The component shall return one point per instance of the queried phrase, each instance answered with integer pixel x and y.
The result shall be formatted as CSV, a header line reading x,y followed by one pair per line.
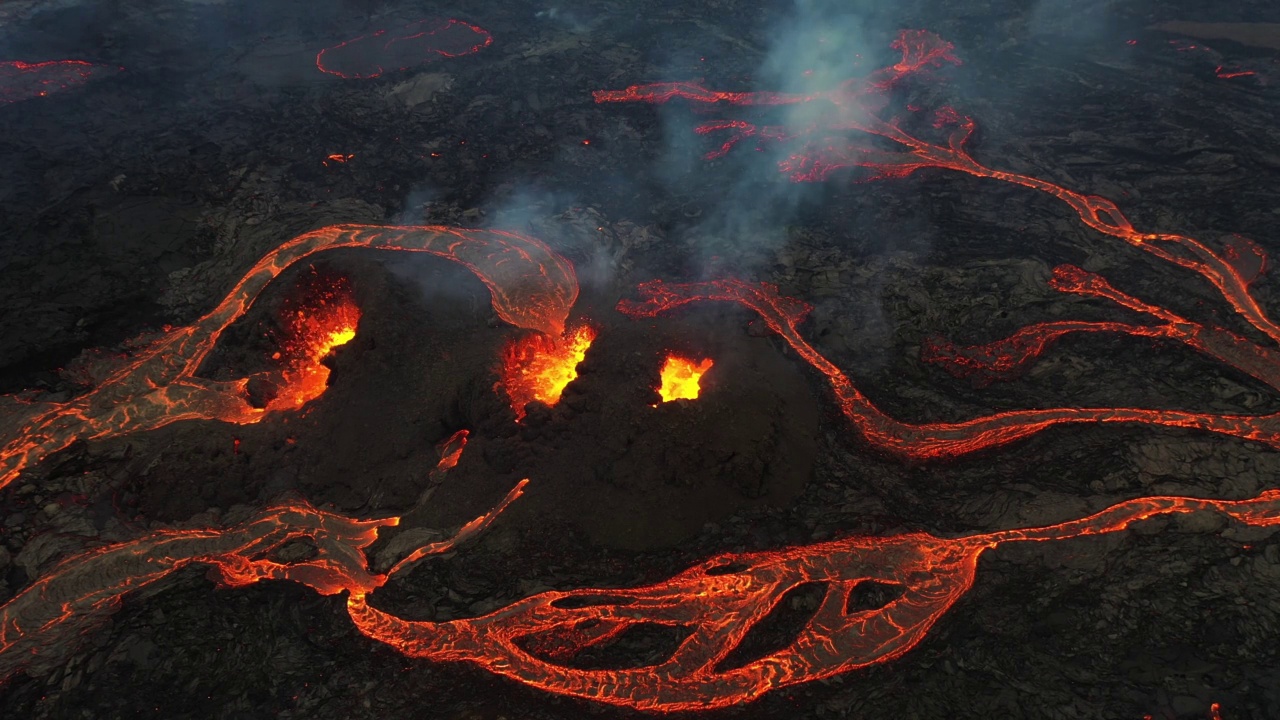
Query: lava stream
x,y
1006,358
531,287
531,640
823,149
935,441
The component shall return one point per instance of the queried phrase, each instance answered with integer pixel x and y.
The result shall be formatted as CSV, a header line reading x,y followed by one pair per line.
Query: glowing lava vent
x,y
538,367
682,378
326,317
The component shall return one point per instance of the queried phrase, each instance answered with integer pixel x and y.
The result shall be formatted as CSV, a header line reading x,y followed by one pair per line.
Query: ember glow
x,y
682,377
23,81
538,366
369,56
328,318
531,288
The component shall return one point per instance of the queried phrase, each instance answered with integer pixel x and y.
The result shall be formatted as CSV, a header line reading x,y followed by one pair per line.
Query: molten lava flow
x,y
538,366
531,288
932,441
720,600
681,378
368,56
533,640
46,621
451,451
824,148
327,319
1005,359
23,81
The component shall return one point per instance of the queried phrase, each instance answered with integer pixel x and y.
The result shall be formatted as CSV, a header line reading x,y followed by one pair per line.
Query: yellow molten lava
x,y
336,338
681,378
314,335
538,367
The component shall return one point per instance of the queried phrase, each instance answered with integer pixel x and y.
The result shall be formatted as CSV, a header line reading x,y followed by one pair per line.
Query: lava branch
x,y
720,600
1008,357
936,441
531,287
44,622
853,106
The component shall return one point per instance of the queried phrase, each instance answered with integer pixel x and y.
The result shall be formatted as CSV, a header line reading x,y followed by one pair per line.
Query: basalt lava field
x,y
800,359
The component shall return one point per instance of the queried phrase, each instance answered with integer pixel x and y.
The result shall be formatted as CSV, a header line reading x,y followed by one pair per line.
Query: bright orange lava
x,y
831,145
330,321
538,366
531,287
535,640
682,377
720,601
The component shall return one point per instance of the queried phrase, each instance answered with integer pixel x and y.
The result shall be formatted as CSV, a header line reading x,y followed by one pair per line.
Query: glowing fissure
x,y
369,56
531,288
539,367
681,378
24,80
719,600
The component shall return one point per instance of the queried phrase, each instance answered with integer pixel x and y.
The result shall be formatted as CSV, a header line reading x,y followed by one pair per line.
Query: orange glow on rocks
x,y
538,366
682,377
328,321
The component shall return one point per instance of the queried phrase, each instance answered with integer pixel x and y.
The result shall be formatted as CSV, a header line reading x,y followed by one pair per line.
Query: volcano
x,y
826,360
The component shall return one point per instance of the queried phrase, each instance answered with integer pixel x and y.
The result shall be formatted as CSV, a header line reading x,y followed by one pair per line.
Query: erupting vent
x,y
681,378
538,367
327,317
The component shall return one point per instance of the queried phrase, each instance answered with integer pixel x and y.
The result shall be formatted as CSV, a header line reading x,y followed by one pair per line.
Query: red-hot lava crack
x,y
531,287
371,55
23,80
933,441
